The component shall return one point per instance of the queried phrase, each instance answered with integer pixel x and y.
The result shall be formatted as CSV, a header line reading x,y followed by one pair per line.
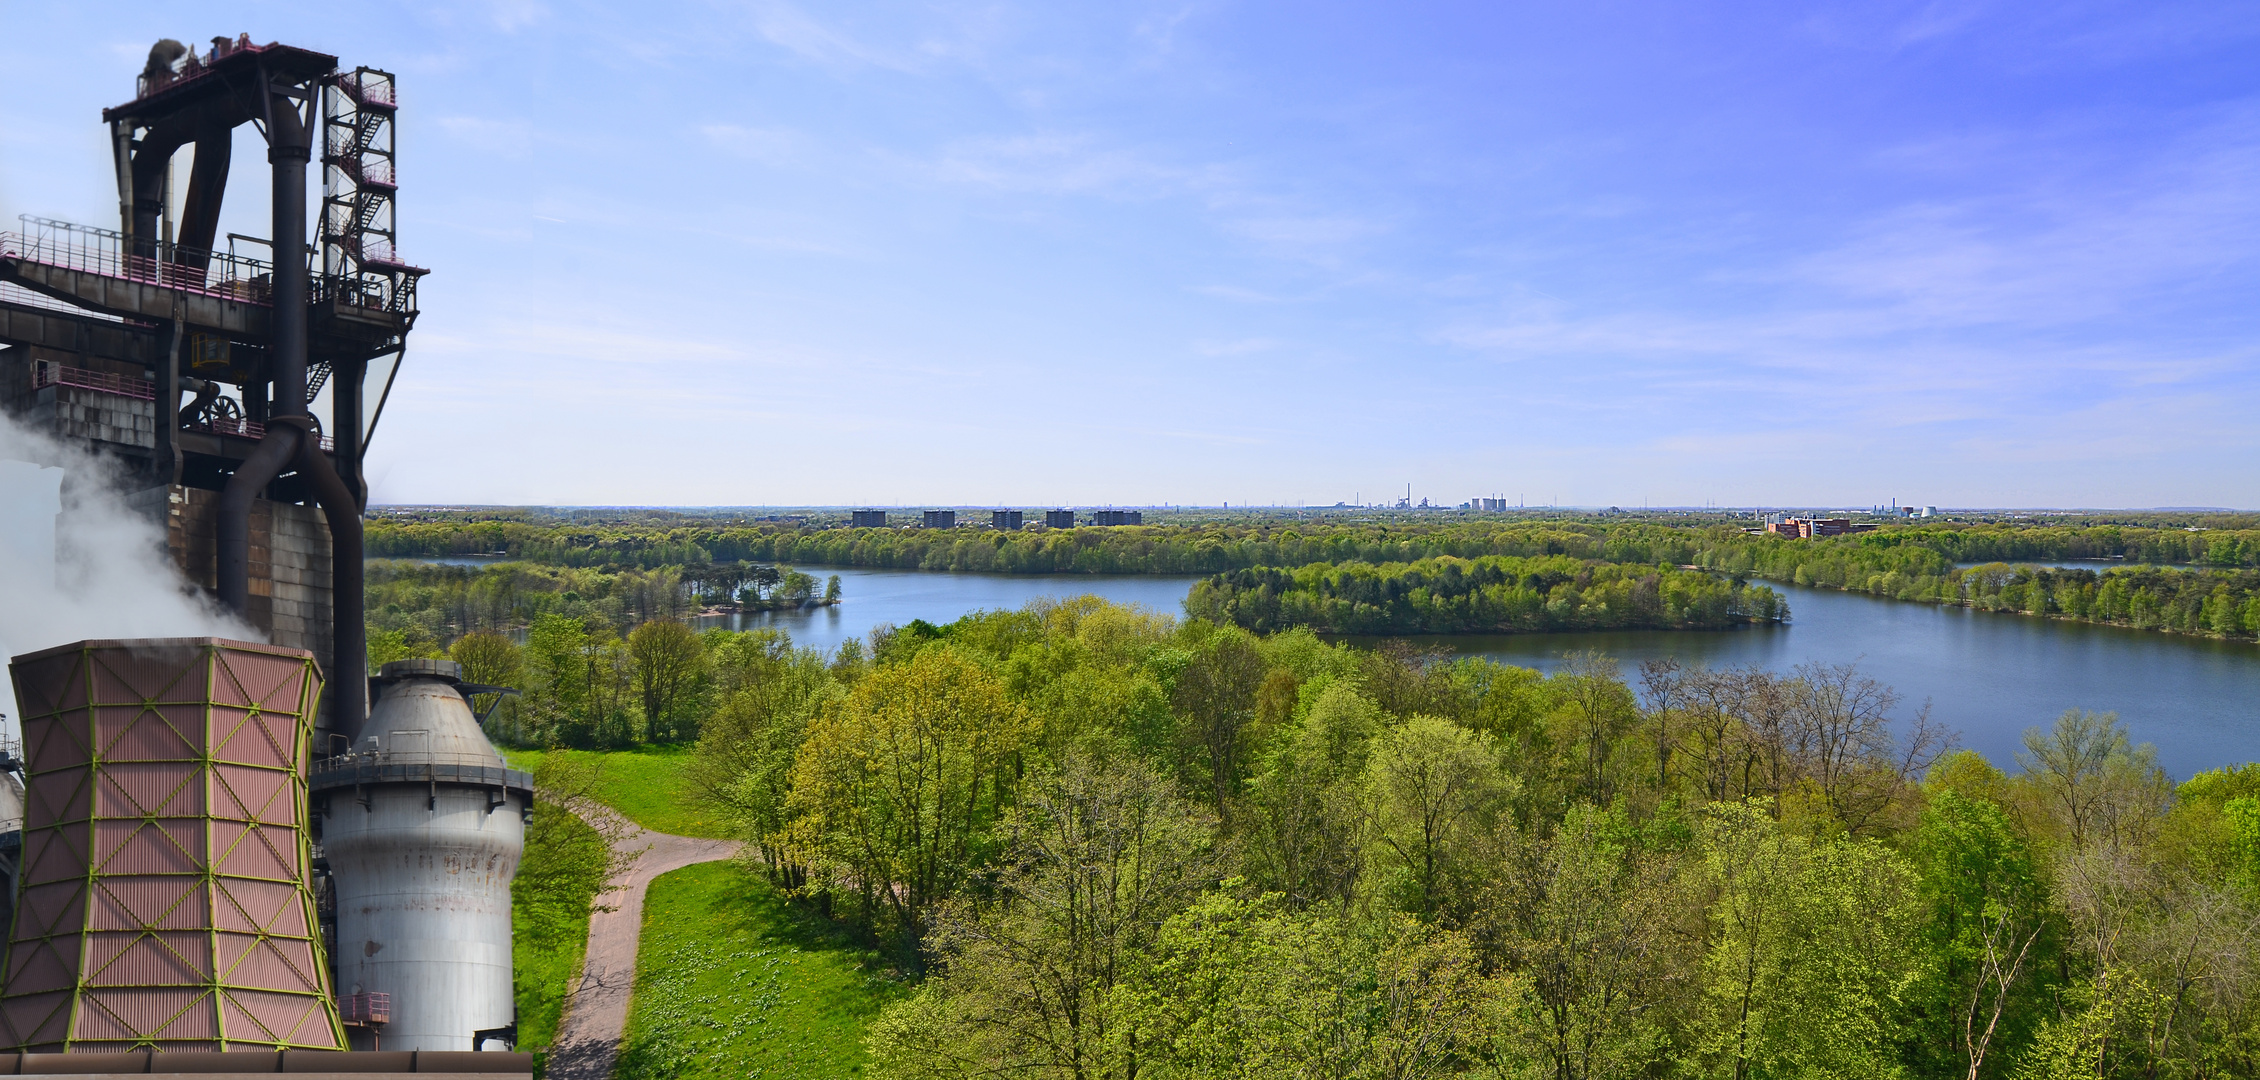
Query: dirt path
x,y
596,1010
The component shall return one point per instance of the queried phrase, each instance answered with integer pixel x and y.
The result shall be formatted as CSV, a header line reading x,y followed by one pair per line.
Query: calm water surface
x,y
1986,675
871,598
1989,676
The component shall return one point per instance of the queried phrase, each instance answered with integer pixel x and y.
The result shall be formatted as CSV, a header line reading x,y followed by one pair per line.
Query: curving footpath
x,y
596,1010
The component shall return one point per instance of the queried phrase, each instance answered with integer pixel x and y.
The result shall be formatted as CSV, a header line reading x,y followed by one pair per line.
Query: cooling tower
x,y
423,826
164,902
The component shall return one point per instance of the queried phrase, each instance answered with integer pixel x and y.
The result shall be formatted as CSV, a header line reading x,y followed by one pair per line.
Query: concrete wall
x,y
290,560
91,414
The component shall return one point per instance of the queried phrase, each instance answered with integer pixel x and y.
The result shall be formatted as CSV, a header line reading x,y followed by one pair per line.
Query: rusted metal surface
x,y
423,827
165,901
307,1063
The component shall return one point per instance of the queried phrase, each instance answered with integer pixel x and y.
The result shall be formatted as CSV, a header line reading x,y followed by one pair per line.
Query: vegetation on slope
x,y
1118,845
647,785
564,870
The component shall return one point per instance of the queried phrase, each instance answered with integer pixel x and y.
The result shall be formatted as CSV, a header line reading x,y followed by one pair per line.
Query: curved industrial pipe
x,y
266,462
349,656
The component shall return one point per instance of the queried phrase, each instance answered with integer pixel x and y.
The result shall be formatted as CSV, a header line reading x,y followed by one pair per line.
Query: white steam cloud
x,y
83,565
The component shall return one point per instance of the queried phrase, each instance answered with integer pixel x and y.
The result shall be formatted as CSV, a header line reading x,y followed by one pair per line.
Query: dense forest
x,y
1106,843
1215,548
1487,594
416,609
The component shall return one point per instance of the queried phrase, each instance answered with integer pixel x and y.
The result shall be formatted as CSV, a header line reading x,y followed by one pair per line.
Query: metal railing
x,y
413,766
368,88
46,373
105,252
244,429
365,1009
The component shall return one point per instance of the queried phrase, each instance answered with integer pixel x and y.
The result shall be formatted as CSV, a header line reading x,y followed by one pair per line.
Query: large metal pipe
x,y
207,187
349,664
150,157
234,526
289,147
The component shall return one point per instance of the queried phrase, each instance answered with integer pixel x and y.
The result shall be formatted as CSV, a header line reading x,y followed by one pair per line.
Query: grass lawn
x,y
563,870
645,785
731,981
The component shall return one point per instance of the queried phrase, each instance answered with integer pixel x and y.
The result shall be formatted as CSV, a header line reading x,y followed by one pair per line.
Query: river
x,y
1988,676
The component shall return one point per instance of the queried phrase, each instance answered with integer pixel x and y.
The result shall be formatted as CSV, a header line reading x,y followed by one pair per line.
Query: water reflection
x,y
1989,676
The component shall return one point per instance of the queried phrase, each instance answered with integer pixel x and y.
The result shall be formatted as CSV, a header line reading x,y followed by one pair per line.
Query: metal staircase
x,y
361,264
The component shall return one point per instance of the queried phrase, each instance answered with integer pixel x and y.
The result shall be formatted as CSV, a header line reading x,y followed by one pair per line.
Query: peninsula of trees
x,y
1489,594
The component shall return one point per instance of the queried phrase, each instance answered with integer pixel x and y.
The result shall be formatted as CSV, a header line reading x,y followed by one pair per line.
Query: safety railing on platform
x,y
104,252
365,1010
368,89
46,373
245,429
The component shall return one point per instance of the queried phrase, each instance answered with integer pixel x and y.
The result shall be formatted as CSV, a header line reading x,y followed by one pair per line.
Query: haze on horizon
x,y
1958,254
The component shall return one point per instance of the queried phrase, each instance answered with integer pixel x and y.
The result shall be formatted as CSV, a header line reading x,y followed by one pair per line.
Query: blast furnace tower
x,y
193,363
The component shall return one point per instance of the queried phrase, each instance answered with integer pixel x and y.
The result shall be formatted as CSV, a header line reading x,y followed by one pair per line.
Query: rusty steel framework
x,y
120,325
164,900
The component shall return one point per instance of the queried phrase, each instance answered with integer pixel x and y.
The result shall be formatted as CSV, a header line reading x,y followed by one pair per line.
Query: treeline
x,y
1211,549
2215,595
416,609
2190,601
1111,844
582,686
1155,549
1487,594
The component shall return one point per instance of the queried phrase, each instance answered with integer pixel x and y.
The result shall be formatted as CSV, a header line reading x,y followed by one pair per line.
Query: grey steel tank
x,y
423,830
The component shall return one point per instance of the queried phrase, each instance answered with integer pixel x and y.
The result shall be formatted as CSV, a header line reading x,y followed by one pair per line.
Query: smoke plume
x,y
76,562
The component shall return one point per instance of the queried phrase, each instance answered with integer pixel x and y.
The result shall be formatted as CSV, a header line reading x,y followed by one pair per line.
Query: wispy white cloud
x,y
1241,347
769,145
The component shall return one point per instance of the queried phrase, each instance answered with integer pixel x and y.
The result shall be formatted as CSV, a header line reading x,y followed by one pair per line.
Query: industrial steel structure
x,y
183,883
423,826
194,366
165,898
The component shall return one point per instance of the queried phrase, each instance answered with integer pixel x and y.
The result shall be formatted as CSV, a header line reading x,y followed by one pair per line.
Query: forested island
x,y
1489,594
1084,840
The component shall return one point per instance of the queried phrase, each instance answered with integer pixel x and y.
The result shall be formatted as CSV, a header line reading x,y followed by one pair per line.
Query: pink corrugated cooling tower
x,y
165,901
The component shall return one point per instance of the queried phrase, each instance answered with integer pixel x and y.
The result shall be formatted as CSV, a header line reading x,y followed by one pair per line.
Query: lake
x,y
1988,676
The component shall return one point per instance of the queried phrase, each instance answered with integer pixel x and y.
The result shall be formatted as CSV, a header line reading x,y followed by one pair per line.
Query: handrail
x,y
104,252
352,770
245,429
46,373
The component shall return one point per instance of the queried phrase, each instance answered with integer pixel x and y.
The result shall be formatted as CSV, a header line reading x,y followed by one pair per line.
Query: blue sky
x,y
1952,253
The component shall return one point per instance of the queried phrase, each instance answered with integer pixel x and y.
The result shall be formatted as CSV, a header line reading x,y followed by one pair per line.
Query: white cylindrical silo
x,y
423,832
